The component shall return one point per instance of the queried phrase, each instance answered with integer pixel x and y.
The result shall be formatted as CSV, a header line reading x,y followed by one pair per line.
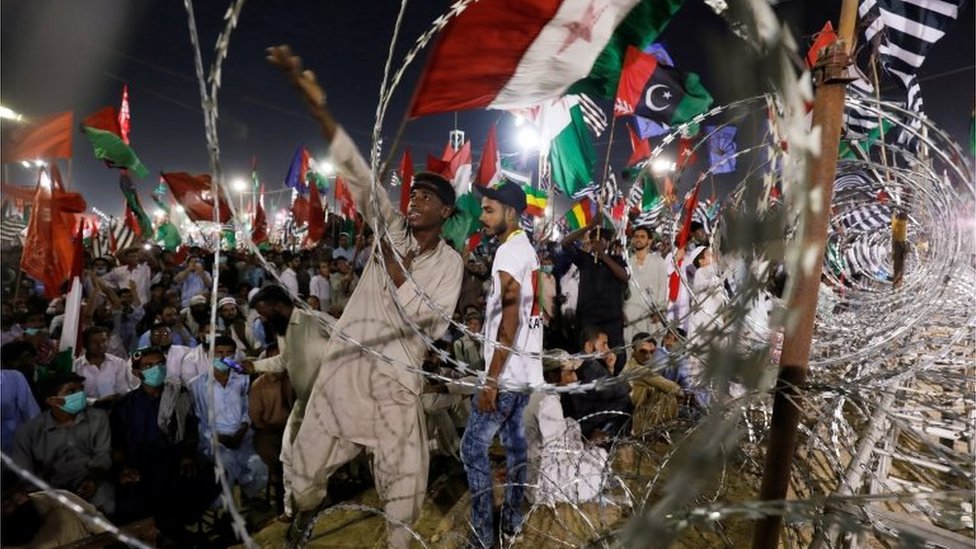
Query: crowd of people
x,y
285,394
126,424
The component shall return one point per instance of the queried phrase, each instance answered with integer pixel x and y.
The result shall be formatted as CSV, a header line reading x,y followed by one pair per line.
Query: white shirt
x,y
517,258
113,377
561,466
119,278
174,363
649,279
321,288
570,287
290,279
196,361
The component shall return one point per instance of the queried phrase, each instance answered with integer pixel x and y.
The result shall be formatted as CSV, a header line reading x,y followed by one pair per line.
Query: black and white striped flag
x,y
866,218
593,115
701,216
122,236
903,31
12,231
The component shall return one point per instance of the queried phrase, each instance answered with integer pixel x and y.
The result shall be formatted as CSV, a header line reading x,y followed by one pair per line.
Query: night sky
x,y
75,55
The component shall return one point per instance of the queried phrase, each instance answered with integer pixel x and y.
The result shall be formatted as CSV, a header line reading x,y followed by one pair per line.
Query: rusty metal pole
x,y
828,107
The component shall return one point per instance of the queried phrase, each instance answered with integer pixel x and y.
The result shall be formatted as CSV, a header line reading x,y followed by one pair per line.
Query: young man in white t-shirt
x,y
512,320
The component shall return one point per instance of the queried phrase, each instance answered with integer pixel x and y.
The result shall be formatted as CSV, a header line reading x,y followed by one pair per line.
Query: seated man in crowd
x,y
602,412
562,466
169,317
231,419
68,446
17,405
676,370
655,397
160,472
161,336
231,323
106,376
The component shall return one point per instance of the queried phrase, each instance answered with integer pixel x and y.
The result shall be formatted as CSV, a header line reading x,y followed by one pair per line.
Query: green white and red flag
x,y
508,54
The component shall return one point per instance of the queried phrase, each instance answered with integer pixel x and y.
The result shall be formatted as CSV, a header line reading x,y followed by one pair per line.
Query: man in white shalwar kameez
x,y
360,401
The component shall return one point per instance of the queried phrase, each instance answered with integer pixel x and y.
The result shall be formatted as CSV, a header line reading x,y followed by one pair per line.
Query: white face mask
x,y
101,271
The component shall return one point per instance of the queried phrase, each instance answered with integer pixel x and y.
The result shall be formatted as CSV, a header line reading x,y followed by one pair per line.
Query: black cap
x,y
508,193
436,184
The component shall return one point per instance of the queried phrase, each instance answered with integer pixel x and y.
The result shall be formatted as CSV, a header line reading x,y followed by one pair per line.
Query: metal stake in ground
x,y
828,108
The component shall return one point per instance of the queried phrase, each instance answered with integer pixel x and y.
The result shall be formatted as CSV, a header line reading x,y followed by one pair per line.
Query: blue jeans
x,y
481,429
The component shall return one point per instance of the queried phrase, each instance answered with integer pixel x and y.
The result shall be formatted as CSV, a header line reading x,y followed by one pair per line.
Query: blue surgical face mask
x,y
32,331
74,403
547,268
154,376
220,365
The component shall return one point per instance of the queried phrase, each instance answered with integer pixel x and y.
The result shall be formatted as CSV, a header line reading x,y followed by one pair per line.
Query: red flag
x,y
48,137
824,38
106,119
690,204
259,232
686,153
299,210
438,166
344,199
316,216
49,249
124,121
489,159
406,181
641,148
195,195
473,241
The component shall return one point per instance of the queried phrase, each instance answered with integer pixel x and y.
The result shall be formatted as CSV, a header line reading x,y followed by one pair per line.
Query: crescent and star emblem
x,y
649,97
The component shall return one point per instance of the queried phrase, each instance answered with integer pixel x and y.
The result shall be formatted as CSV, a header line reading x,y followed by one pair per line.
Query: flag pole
x,y
603,177
830,76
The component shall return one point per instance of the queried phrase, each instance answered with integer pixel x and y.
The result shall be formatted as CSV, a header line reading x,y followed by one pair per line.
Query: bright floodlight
x,y
527,138
662,165
239,185
25,163
40,163
10,114
158,212
325,167
180,208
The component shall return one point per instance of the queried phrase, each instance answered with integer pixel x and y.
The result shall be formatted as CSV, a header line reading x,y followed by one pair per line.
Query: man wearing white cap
x,y
230,322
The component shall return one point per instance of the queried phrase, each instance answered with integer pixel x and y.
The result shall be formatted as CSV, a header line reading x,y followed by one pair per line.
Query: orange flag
x,y
49,249
46,138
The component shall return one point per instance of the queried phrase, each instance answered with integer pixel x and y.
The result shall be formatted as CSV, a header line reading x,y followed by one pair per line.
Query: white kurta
x,y
361,401
561,466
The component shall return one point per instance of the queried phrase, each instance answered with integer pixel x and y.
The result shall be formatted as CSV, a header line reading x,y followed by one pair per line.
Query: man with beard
x,y
231,323
161,336
302,339
364,402
513,320
647,297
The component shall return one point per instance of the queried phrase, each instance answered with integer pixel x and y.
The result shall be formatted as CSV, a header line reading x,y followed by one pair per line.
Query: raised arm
x,y
348,161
